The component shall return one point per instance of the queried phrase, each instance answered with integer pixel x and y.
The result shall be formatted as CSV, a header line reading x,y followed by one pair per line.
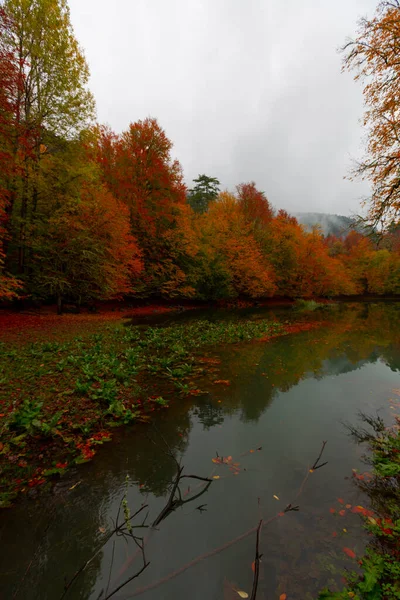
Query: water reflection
x,y
287,396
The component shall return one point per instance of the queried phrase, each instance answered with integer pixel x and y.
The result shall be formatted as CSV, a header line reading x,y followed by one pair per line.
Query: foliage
x,y
138,169
86,213
380,566
203,193
374,57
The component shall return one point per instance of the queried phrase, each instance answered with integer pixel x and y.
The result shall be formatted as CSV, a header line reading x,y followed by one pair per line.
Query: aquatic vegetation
x,y
57,397
379,574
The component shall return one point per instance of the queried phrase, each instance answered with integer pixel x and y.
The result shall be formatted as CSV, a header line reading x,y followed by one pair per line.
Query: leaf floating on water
x,y
253,566
340,500
342,513
348,505
102,529
332,510
276,497
242,594
282,597
216,477
215,460
349,552
75,485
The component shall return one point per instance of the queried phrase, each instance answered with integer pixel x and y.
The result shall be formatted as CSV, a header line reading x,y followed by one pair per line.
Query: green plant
x,y
26,417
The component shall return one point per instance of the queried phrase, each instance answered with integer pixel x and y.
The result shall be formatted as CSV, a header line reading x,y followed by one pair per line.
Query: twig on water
x,y
289,508
256,563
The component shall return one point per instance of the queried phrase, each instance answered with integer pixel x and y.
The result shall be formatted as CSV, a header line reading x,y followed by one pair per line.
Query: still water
x,y
283,399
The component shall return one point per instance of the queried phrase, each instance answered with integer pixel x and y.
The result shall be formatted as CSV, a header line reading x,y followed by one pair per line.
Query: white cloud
x,y
246,89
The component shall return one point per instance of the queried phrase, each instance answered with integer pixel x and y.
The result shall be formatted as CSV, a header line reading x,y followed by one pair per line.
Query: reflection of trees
x,y
354,336
208,414
52,530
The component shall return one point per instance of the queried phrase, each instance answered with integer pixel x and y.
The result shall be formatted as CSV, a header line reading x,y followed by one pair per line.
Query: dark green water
x,y
286,396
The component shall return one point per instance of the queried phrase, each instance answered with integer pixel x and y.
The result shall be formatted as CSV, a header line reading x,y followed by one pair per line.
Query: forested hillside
x,y
337,225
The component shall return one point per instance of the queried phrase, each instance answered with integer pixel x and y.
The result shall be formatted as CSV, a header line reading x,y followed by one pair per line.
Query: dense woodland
x,y
87,213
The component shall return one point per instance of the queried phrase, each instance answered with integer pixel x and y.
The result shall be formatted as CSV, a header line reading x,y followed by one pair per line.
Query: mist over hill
x,y
330,224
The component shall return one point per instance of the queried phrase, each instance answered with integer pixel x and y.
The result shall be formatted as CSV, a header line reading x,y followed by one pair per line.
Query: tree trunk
x,y
59,304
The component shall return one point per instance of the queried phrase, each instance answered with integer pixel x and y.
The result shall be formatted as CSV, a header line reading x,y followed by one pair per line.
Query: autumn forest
x,y
86,213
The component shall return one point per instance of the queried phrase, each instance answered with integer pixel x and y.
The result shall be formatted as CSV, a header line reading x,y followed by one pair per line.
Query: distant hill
x,y
330,224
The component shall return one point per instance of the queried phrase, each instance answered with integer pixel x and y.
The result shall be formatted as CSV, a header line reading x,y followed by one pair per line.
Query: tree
x,y
51,102
203,193
255,205
138,169
232,250
375,57
82,246
9,86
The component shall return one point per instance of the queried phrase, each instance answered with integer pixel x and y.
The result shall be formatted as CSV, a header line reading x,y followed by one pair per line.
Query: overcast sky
x,y
245,89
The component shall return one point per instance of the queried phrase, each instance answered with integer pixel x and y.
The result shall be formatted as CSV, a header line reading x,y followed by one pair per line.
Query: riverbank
x,y
63,397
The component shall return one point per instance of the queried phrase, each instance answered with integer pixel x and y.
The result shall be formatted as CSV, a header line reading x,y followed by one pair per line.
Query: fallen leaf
x,y
242,594
216,477
253,566
342,513
349,552
348,505
332,510
102,529
276,497
75,485
372,520
340,500
282,597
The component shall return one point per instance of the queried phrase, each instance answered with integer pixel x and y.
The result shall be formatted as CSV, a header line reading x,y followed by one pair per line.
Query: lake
x,y
255,435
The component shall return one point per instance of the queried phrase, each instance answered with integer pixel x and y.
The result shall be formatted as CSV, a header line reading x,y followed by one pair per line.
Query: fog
x,y
245,89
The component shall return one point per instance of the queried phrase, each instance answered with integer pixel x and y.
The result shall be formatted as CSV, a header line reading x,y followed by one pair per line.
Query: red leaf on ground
x,y
349,552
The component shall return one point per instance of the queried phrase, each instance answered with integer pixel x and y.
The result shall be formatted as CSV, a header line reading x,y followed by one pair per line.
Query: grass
x,y
59,400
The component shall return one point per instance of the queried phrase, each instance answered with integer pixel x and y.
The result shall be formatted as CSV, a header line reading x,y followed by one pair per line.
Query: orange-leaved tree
x,y
82,246
228,238
138,169
374,56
